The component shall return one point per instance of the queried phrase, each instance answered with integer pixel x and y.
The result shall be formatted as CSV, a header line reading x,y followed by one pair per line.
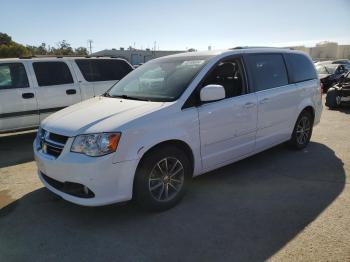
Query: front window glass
x,y
163,79
322,70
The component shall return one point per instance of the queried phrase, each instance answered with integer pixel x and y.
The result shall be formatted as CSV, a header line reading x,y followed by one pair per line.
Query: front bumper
x,y
109,183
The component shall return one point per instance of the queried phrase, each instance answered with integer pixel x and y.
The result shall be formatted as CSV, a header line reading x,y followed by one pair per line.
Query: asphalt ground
x,y
279,205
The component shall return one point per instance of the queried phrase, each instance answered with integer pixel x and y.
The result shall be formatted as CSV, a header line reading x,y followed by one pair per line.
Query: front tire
x,y
302,131
162,178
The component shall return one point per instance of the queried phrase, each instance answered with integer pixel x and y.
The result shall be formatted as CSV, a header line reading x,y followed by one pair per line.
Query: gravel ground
x,y
279,205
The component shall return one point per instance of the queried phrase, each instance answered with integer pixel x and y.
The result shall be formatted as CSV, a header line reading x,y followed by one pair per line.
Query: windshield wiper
x,y
129,97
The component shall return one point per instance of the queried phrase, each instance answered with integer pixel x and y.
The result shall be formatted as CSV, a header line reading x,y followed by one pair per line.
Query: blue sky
x,y
176,24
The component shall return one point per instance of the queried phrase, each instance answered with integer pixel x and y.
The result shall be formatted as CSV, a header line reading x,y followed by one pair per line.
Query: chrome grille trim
x,y
49,146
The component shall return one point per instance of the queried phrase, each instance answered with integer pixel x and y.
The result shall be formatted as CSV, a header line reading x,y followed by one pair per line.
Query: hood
x,y
99,114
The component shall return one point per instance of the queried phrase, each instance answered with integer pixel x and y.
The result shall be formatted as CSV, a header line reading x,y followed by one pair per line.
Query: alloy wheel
x,y
303,130
166,179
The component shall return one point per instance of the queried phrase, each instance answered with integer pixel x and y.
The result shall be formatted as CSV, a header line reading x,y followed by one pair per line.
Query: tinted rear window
x,y
103,69
52,73
268,71
300,68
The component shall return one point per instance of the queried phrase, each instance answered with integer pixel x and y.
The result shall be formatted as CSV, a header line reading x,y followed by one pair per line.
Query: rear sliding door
x,y
277,99
56,88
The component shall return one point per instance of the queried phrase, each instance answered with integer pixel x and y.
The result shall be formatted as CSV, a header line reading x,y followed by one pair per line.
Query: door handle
x,y
27,95
71,91
249,105
263,101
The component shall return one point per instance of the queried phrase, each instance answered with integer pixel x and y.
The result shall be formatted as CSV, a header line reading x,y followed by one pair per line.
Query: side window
x,y
103,69
341,69
229,74
13,75
268,71
52,73
300,68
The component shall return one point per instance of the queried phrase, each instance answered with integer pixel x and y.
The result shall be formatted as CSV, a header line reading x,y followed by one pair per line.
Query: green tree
x,y
63,48
9,48
5,39
81,51
13,50
38,50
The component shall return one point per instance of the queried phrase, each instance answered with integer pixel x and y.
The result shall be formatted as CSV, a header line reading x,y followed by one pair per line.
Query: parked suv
x,y
31,89
174,118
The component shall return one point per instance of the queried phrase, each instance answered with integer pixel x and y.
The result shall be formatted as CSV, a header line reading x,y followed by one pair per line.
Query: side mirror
x,y
212,93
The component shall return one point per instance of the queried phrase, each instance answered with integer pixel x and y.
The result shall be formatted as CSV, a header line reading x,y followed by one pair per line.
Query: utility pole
x,y
90,47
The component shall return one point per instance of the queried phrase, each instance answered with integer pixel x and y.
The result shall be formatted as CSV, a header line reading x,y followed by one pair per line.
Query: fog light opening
x,y
86,190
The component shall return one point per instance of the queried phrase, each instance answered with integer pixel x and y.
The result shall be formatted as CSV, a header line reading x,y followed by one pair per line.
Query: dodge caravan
x,y
174,118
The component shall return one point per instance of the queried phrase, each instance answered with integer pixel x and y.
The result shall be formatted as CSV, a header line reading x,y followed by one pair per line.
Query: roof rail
x,y
27,57
251,47
70,56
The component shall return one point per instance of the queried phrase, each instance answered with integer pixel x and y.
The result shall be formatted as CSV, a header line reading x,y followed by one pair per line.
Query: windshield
x,y
162,80
325,69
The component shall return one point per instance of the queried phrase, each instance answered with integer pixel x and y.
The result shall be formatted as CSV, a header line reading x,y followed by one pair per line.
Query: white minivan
x,y
174,118
33,88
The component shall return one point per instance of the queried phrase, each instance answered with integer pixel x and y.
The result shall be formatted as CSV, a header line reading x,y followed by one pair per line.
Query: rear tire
x,y
162,178
333,99
302,131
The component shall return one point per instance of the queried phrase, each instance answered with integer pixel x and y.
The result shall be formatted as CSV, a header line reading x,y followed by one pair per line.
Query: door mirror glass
x,y
212,93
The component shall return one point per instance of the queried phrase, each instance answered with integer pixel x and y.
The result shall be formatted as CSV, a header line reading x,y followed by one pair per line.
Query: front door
x,y
18,104
228,126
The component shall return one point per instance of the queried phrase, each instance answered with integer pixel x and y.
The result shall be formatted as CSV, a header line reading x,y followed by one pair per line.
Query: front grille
x,y
52,144
74,189
52,149
58,138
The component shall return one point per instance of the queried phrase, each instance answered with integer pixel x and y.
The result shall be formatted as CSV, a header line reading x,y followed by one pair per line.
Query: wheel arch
x,y
182,145
309,109
306,105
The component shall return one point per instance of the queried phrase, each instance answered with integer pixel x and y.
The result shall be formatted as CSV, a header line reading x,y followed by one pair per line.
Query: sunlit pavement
x,y
278,205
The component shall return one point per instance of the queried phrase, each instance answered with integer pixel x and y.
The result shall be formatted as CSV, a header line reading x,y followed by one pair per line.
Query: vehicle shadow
x,y
345,108
16,149
246,211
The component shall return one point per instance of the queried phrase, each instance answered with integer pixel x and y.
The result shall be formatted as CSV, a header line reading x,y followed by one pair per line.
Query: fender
x,y
183,126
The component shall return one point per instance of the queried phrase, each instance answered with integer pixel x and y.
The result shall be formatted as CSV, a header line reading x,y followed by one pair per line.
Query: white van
x,y
174,118
33,88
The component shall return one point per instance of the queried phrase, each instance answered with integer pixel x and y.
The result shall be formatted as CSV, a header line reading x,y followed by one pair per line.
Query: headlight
x,y
39,137
96,144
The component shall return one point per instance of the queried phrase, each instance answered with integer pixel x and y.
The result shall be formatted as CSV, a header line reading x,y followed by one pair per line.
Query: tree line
x,y
9,49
